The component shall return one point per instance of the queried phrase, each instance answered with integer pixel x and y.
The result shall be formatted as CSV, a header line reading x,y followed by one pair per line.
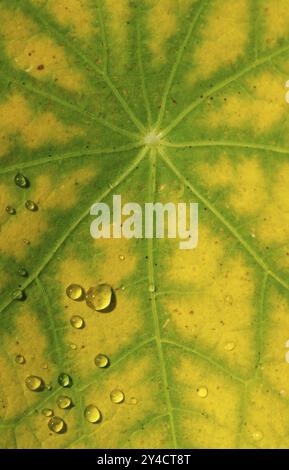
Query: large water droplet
x,y
21,181
202,392
75,292
57,425
34,383
77,322
20,359
117,396
64,380
99,297
10,210
64,402
92,414
31,206
47,412
101,361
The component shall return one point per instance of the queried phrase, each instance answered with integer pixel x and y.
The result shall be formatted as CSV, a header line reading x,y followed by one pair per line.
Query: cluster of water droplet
x,y
22,182
97,298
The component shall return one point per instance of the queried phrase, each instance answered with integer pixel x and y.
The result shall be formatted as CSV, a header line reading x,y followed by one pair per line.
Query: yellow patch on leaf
x,y
212,317
163,20
263,109
276,21
35,128
224,38
36,53
76,14
32,343
214,413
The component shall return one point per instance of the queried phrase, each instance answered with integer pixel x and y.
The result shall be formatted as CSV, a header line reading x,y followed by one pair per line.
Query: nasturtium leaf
x,y
153,100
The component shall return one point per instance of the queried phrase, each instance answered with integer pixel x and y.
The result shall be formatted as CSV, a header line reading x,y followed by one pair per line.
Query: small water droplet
x,y
26,241
64,402
77,322
57,425
92,414
133,401
21,181
152,288
44,366
34,383
202,392
99,297
75,292
101,361
47,412
22,271
31,205
64,380
18,294
228,300
117,396
73,346
48,386
20,359
121,257
257,436
10,210
229,346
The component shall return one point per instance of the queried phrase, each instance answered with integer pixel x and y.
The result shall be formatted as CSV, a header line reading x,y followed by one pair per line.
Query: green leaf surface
x,y
196,339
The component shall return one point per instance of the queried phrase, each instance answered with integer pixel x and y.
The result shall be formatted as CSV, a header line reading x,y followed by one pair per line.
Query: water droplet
x,y
202,392
152,288
92,414
101,361
22,271
57,425
73,346
10,210
77,322
48,386
20,359
121,257
117,396
34,383
64,380
133,401
75,292
99,297
47,412
257,436
228,300
31,206
64,402
229,346
44,366
21,181
18,294
26,241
